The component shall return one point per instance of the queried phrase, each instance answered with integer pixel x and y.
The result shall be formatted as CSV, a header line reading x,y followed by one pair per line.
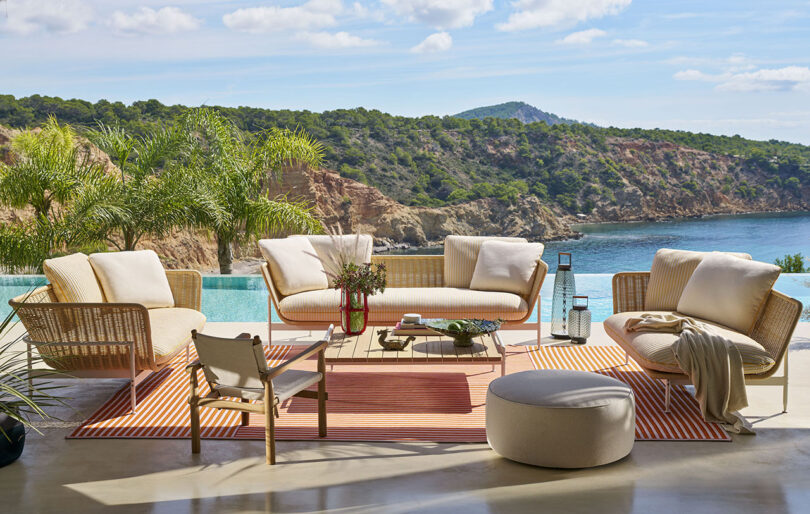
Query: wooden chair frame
x,y
773,329
214,400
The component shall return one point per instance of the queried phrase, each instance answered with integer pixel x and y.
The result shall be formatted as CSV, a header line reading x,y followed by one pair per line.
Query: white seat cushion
x,y
669,274
335,250
461,254
294,265
73,279
430,302
503,266
284,386
171,330
728,291
133,277
653,350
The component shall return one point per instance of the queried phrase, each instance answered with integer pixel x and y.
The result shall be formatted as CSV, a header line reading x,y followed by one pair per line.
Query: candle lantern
x,y
579,320
564,290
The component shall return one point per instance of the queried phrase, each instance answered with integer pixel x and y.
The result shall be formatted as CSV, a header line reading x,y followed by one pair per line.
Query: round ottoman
x,y
560,418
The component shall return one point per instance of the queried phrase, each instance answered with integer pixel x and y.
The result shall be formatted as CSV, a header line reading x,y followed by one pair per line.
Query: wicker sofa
x,y
111,340
763,348
415,283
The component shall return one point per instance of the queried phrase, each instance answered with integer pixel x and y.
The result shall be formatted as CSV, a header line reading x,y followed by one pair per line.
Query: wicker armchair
x,y
773,330
407,271
102,340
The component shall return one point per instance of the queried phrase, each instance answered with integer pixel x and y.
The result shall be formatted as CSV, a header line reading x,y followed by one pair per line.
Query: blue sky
x,y
720,67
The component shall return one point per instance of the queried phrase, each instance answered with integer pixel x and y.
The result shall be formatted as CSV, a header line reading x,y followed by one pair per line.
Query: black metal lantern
x,y
579,320
564,290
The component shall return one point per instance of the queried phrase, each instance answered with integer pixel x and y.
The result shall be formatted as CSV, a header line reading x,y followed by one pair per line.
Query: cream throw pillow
x,y
506,267
356,247
728,290
294,265
669,274
73,279
133,277
461,255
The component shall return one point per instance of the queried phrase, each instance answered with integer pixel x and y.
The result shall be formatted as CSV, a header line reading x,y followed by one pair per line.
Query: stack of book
x,y
413,325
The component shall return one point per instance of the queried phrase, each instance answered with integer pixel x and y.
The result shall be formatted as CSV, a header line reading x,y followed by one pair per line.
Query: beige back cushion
x,y
294,265
461,255
728,290
73,279
231,362
133,277
669,274
333,250
507,267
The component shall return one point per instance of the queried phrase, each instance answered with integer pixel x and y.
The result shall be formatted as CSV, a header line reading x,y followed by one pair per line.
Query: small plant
x,y
792,264
365,278
20,403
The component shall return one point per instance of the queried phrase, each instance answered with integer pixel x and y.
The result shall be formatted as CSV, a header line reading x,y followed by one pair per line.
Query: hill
x,y
515,110
568,169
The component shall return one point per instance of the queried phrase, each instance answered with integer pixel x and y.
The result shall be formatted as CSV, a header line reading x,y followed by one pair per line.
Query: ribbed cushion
x,y
332,250
171,330
430,302
73,279
653,350
284,386
507,267
133,277
669,274
294,265
461,255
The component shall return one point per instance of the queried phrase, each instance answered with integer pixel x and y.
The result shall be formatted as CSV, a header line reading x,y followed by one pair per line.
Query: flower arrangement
x,y
366,278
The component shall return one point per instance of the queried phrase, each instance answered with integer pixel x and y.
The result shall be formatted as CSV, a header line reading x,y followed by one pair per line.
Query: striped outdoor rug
x,y
440,403
684,422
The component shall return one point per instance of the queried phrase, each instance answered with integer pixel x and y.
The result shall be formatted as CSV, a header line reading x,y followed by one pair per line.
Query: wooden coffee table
x,y
364,349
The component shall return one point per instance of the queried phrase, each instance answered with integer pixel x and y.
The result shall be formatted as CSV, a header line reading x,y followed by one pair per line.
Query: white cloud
x,y
442,14
167,20
312,14
789,78
630,43
336,40
583,37
57,16
438,42
531,14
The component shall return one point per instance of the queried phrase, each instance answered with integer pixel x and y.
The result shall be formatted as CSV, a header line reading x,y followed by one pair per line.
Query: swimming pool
x,y
244,297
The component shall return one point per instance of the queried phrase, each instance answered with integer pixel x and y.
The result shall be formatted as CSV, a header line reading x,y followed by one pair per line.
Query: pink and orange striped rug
x,y
439,403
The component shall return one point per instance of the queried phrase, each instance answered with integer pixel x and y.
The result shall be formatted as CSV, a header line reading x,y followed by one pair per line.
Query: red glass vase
x,y
353,312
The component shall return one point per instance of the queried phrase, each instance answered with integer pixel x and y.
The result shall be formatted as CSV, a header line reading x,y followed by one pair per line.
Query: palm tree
x,y
236,169
157,193
69,192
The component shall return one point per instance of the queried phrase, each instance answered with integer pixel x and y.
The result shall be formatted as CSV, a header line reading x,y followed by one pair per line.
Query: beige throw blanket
x,y
712,363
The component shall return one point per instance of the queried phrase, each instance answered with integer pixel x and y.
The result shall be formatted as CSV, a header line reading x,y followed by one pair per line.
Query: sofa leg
x,y
538,320
667,395
269,321
785,383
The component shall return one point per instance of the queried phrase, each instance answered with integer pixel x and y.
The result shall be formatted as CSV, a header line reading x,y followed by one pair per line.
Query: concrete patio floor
x,y
769,472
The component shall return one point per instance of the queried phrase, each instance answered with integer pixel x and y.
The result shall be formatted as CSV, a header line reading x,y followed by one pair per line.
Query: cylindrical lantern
x,y
579,320
564,289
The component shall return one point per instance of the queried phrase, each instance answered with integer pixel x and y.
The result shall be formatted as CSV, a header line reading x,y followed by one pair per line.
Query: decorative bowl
x,y
463,331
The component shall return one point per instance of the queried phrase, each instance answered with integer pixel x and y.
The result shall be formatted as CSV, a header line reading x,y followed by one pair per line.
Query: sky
x,y
723,67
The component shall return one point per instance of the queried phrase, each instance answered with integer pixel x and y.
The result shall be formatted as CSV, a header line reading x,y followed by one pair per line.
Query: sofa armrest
x,y
537,283
64,332
412,270
776,322
186,288
629,290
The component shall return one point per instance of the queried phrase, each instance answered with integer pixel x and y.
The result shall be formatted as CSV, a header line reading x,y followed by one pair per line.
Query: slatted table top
x,y
425,349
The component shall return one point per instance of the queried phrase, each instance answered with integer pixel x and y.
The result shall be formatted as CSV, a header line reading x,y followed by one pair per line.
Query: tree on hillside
x,y
69,193
236,168
156,191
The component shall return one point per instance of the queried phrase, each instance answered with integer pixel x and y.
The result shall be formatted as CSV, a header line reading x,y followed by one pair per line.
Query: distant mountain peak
x,y
517,110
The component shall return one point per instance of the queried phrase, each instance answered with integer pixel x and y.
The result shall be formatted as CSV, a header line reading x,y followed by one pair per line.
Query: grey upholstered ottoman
x,y
560,418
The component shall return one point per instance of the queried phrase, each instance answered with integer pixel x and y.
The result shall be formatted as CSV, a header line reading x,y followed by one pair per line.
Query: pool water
x,y
244,297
